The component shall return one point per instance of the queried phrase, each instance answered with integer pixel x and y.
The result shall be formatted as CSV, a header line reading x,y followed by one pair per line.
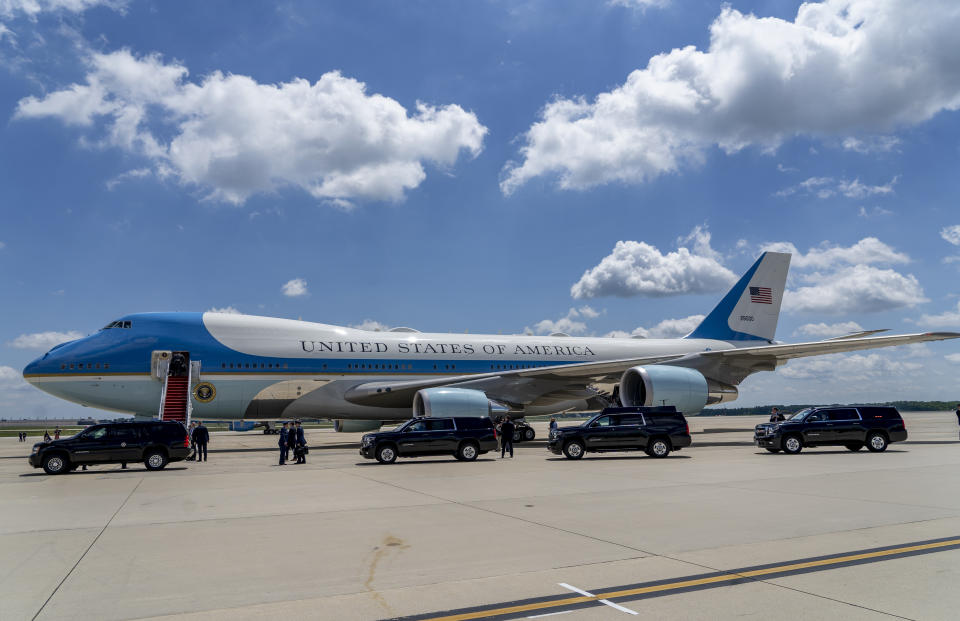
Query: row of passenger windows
x,y
80,366
247,365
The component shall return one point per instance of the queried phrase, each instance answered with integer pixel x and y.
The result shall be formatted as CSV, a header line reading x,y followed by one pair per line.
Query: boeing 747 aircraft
x,y
227,366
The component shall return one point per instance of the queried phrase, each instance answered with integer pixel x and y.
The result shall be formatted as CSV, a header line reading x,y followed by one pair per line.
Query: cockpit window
x,y
117,324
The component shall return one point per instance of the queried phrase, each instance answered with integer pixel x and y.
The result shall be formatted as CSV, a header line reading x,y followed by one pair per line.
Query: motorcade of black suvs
x,y
155,443
851,426
523,432
655,430
463,437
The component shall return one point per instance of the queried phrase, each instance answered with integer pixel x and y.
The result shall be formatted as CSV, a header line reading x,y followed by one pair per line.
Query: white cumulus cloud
x,y
851,367
33,8
637,268
666,329
44,340
371,325
567,324
856,288
295,288
840,68
867,251
871,144
234,137
828,330
946,319
953,357
11,379
949,233
827,187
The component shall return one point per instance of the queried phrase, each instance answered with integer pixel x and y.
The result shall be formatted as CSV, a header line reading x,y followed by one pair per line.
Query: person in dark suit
x,y
284,434
506,431
200,438
301,451
776,416
957,412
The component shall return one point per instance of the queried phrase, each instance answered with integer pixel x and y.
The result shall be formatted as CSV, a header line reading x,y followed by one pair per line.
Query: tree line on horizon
x,y
907,406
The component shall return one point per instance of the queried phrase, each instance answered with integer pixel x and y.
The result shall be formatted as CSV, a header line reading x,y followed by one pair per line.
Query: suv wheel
x,y
518,436
659,448
155,460
529,434
386,454
877,442
854,446
573,449
468,451
56,464
792,445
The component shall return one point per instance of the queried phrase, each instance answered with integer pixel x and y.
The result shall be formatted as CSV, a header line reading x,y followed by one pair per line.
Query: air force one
x,y
232,367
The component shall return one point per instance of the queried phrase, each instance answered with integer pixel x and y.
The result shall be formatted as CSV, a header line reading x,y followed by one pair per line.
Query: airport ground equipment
x,y
851,426
655,430
155,443
464,437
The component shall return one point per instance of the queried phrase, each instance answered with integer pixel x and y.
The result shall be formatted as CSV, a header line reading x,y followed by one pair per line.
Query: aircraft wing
x,y
503,384
570,381
830,346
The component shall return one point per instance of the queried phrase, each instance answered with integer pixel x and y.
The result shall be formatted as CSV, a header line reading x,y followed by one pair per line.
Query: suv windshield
x,y
802,414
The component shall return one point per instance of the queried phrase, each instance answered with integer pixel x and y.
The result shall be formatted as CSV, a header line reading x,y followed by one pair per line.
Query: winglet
x,y
750,310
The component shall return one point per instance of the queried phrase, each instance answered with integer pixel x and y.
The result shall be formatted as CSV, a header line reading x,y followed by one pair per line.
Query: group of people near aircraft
x,y
292,439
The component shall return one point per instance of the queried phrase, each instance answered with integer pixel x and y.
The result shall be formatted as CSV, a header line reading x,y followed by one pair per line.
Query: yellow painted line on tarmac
x,y
683,584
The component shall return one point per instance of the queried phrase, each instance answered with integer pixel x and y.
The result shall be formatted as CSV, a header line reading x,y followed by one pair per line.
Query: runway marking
x,y
602,601
506,610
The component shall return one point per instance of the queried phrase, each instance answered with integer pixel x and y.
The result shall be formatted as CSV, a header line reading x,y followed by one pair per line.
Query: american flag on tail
x,y
761,295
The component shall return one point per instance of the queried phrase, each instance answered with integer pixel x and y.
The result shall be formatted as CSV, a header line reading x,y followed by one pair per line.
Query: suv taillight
x,y
186,441
687,427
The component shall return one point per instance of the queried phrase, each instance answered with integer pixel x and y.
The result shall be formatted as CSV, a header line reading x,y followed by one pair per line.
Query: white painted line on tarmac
x,y
602,601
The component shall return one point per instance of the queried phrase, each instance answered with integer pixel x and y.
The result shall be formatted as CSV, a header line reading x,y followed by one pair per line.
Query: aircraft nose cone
x,y
31,369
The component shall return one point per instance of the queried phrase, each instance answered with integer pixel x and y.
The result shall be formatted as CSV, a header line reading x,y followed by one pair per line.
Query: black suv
x,y
654,430
463,437
852,426
155,443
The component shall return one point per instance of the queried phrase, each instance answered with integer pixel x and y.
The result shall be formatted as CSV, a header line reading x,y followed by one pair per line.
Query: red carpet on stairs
x,y
175,402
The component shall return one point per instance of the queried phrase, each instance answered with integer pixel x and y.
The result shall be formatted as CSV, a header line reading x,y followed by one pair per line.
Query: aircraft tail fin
x,y
750,310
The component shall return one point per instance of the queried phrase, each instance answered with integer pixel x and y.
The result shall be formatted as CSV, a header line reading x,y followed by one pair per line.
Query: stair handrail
x,y
192,373
163,395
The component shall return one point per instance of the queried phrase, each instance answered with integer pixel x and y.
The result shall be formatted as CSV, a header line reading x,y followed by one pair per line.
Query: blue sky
x,y
474,166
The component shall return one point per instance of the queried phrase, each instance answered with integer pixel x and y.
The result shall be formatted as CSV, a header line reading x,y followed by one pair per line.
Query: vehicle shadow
x,y
41,473
822,452
619,457
414,461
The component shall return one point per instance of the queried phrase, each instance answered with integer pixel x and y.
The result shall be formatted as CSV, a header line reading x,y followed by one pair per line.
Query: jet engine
x,y
343,425
686,389
456,402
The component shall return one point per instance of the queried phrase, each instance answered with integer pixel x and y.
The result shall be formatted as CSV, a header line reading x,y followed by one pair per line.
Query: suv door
x,y
89,445
844,424
601,433
415,438
443,435
122,443
630,431
816,429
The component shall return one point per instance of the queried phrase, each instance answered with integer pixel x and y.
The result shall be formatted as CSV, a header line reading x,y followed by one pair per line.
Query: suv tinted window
x,y
631,419
880,412
816,417
420,425
603,421
125,433
665,418
94,433
842,414
441,424
474,423
160,432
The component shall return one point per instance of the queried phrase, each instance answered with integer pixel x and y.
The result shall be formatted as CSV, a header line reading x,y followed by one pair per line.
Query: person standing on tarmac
x,y
957,412
201,437
284,434
506,430
301,451
776,416
553,423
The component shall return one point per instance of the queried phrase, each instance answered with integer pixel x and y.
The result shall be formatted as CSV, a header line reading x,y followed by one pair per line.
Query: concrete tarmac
x,y
239,537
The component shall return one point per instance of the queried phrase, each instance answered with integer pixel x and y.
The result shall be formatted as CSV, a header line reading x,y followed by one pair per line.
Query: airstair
x,y
175,401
